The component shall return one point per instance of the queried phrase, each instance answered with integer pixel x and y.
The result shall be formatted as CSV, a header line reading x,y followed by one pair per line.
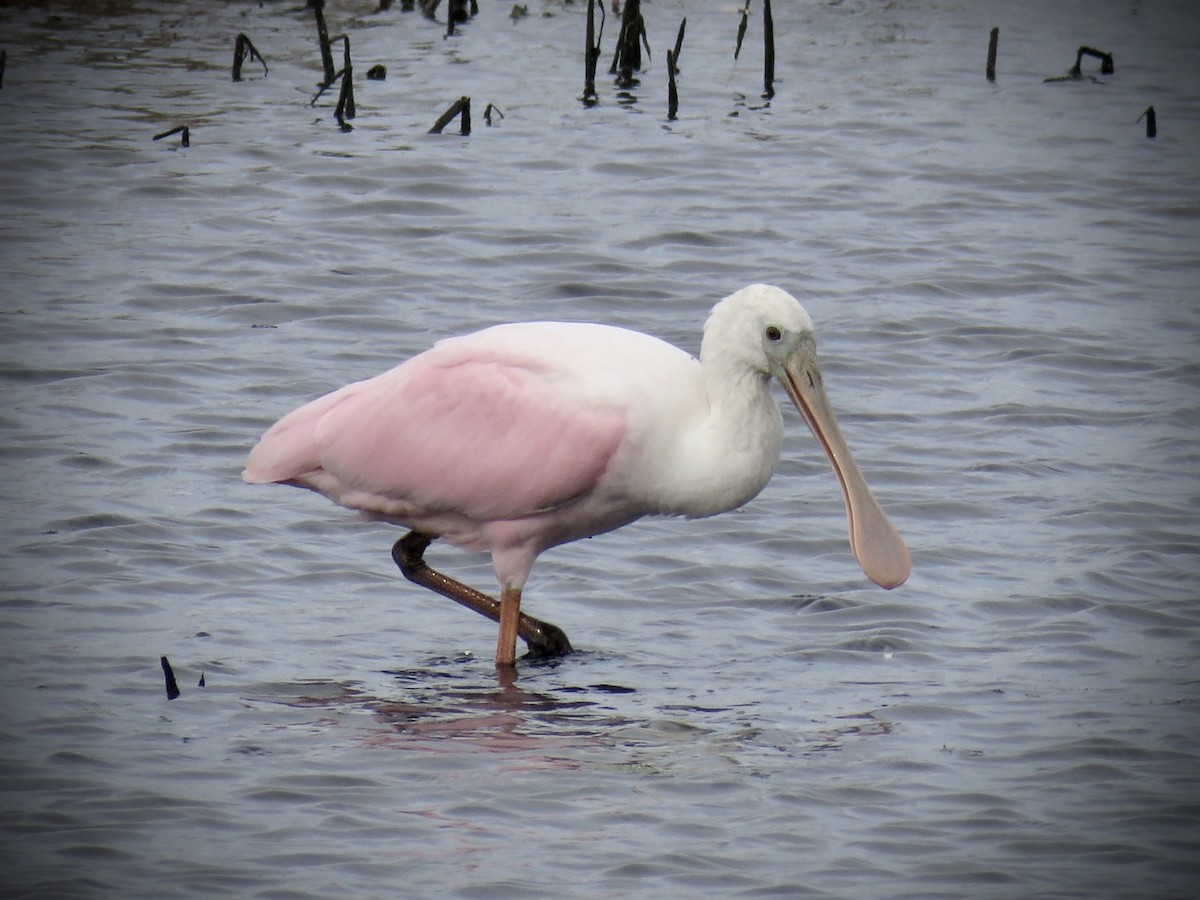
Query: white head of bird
x,y
768,330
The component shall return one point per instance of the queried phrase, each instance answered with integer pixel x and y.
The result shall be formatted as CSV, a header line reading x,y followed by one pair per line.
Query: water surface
x,y
1003,278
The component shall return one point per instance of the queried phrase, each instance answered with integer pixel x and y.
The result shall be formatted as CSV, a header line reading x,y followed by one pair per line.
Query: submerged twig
x,y
1106,61
672,91
591,51
1076,71
323,39
169,678
185,139
345,105
672,71
460,106
243,48
679,44
1151,122
457,14
628,56
742,30
768,51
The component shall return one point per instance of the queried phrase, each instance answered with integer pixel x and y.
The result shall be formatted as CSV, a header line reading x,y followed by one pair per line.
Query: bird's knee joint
x,y
409,553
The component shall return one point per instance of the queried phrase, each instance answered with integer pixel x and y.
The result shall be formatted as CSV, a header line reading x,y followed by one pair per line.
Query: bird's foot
x,y
545,641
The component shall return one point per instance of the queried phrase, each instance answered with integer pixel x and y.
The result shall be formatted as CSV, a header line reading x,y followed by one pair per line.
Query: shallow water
x,y
1004,280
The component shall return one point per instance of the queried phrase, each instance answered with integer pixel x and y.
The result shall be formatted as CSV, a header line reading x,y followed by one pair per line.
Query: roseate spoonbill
x,y
521,437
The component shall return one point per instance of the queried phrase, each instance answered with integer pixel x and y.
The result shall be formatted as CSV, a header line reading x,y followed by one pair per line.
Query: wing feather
x,y
487,437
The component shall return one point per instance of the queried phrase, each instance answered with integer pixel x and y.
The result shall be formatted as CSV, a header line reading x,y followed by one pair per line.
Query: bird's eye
x,y
773,334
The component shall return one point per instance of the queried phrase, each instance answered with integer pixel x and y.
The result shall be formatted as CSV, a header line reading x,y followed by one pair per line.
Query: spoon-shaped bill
x,y
877,545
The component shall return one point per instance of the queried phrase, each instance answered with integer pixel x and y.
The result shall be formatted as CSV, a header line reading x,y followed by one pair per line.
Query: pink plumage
x,y
485,437
520,437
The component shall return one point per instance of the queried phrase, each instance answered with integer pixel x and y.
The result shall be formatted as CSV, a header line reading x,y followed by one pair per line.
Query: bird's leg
x,y
543,638
510,615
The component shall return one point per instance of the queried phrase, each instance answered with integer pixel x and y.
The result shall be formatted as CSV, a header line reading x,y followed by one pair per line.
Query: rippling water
x,y
1004,279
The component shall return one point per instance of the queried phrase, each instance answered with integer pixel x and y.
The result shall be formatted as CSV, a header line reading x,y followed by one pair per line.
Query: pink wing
x,y
452,430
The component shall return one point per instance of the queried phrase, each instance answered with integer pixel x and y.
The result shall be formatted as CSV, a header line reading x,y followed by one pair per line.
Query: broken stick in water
x,y
632,37
1106,61
1151,122
768,51
742,30
243,48
672,91
185,136
679,44
460,106
1076,71
345,105
323,39
591,52
169,677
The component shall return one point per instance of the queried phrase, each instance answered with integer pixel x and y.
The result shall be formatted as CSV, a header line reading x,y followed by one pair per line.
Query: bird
x,y
525,436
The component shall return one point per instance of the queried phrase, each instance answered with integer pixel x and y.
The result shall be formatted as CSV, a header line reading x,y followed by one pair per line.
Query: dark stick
x,y
461,105
679,42
628,57
185,138
241,49
991,59
345,105
742,30
323,87
464,122
172,687
346,98
487,113
768,51
323,38
672,93
239,53
590,52
1151,122
1106,61
456,14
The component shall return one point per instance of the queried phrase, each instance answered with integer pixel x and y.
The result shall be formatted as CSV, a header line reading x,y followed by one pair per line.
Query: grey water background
x,y
1004,279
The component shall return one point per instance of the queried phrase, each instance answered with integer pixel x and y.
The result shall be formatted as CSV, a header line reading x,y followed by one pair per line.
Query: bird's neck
x,y
743,416
730,453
